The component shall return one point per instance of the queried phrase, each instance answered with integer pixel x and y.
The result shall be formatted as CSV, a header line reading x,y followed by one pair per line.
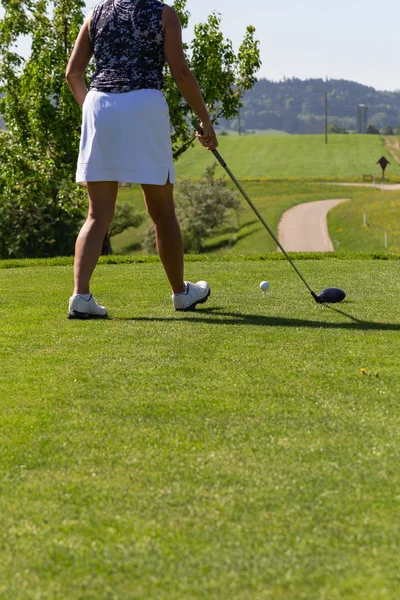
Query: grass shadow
x,y
217,316
228,229
134,247
226,243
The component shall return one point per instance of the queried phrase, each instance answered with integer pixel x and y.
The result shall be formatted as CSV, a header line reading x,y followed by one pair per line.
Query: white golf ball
x,y
264,285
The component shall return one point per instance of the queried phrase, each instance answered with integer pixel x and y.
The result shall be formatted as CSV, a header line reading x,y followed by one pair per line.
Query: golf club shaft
x,y
255,209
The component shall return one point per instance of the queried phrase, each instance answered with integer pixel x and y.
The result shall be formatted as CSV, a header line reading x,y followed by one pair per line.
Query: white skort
x,y
125,138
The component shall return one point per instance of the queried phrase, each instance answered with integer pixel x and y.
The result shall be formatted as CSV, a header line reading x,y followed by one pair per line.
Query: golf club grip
x,y
220,159
215,152
255,209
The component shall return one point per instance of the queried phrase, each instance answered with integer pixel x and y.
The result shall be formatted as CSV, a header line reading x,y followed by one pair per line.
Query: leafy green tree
x,y
372,129
223,76
40,206
201,207
334,128
387,130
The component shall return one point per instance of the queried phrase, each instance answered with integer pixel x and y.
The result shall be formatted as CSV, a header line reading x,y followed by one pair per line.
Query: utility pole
x,y
326,117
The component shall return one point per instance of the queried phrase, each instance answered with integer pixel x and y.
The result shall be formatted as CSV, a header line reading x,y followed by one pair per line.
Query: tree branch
x,y
185,146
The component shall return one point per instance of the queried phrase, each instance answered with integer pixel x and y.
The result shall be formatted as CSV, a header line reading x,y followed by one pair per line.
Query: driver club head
x,y
330,296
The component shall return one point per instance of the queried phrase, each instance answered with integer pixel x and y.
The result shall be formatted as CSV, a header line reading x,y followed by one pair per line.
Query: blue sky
x,y
342,39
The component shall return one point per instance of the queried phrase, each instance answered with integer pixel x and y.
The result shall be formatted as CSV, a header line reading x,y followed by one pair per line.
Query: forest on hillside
x,y
297,106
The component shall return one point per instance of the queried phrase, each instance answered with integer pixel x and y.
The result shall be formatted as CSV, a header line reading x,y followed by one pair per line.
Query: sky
x,y
340,39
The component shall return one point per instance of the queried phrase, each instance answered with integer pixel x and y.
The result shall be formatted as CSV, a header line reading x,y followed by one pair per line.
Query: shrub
x,y
372,129
334,128
387,130
201,207
40,209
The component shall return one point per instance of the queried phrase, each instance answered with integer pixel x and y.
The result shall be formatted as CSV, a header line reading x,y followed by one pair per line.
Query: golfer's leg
x,y
160,206
102,199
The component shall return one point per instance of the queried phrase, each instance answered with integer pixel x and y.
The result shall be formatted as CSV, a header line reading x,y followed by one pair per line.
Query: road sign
x,y
383,162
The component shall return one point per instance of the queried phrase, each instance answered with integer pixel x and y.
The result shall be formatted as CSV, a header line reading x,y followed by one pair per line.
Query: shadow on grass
x,y
227,229
226,243
217,316
135,246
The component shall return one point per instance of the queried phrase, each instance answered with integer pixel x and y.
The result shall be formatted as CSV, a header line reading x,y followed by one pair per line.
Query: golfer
x,y
126,134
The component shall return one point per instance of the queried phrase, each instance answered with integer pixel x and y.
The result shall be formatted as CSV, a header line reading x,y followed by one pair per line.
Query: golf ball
x,y
264,285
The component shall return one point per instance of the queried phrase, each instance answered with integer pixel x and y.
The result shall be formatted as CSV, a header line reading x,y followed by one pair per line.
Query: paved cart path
x,y
304,228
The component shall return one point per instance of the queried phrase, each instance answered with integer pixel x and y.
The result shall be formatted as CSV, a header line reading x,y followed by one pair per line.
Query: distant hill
x,y
297,106
345,157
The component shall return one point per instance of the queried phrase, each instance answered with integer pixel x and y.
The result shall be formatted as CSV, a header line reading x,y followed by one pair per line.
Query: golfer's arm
x,y
78,62
183,77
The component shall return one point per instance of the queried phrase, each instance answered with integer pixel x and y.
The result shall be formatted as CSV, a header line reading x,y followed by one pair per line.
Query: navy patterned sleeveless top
x,y
128,39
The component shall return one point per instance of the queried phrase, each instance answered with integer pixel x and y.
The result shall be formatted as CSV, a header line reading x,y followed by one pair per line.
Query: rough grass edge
x,y
62,261
392,179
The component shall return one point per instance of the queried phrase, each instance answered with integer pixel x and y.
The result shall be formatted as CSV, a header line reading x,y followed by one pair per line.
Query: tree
x,y
223,76
334,128
387,130
124,218
201,207
269,99
372,129
40,206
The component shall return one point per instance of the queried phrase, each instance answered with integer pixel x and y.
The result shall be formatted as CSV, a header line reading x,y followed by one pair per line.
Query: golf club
x,y
329,295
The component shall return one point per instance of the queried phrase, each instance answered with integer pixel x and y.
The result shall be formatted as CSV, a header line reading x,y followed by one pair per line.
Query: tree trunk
x,y
106,249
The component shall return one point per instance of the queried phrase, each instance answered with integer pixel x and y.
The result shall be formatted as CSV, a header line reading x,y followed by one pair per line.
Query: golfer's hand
x,y
208,139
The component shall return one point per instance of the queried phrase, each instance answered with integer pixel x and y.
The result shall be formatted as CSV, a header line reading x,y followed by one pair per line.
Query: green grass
x,y
257,132
236,452
273,198
288,169
298,156
382,210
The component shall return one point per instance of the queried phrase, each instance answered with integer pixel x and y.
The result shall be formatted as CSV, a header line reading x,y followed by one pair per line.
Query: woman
x,y
126,134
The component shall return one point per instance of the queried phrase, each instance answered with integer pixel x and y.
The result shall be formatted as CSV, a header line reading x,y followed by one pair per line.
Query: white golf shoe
x,y
196,293
79,308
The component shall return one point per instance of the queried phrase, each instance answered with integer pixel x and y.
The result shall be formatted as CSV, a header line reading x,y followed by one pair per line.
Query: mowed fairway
x,y
248,450
279,172
273,198
287,156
